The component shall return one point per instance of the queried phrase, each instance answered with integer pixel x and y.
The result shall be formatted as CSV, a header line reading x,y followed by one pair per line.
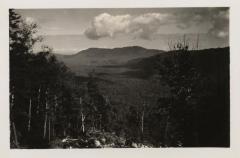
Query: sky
x,y
69,31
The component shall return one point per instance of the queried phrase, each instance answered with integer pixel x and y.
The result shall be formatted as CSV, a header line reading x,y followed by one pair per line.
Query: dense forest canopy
x,y
182,98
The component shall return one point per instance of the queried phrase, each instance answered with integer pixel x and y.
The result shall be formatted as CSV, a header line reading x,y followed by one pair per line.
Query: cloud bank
x,y
144,26
220,23
218,18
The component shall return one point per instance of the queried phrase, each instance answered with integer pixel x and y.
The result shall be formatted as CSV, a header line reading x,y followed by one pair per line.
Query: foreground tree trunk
x,y
82,116
15,135
46,119
166,141
38,104
83,122
15,139
45,126
11,99
29,114
142,122
49,129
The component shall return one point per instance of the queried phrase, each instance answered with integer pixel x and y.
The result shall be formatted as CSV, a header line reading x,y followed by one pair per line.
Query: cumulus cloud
x,y
142,26
106,25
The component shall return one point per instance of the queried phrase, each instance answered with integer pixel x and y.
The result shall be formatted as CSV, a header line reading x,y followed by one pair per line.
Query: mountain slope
x,y
207,61
102,57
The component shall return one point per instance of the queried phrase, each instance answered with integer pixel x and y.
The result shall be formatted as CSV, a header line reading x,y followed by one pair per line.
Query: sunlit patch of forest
x,y
178,98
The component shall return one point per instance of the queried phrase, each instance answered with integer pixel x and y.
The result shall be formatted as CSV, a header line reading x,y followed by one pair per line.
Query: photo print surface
x,y
119,78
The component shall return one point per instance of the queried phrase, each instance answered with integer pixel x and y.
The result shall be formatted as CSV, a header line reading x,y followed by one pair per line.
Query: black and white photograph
x,y
119,77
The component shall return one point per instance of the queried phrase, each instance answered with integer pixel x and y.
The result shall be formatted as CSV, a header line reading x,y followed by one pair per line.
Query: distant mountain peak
x,y
130,47
126,47
108,56
113,50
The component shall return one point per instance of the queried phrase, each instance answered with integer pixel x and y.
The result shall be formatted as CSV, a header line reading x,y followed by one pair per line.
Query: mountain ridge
x,y
107,49
105,56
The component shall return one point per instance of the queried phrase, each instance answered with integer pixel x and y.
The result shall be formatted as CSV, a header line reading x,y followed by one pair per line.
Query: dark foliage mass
x,y
46,99
168,99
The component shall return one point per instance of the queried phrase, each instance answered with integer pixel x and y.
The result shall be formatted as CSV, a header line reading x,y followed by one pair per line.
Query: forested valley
x,y
184,101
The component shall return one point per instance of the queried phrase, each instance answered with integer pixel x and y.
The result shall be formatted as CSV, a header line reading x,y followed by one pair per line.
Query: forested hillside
x,y
128,97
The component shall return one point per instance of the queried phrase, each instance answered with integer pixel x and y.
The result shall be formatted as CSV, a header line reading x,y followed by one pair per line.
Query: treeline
x,y
37,83
46,98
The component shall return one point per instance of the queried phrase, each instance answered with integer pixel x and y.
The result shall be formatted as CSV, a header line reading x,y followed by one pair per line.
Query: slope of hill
x,y
93,58
208,61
